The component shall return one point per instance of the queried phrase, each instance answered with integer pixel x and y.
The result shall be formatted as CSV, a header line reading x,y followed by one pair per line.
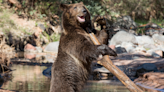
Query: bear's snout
x,y
84,10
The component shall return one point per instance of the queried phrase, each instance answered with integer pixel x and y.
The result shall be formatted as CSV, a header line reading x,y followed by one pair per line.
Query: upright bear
x,y
76,51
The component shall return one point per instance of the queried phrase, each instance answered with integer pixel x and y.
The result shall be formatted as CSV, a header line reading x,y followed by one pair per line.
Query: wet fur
x,y
76,52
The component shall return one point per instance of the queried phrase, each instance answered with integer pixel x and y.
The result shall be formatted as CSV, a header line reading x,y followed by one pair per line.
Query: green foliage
x,y
55,37
158,22
96,7
5,20
51,38
144,9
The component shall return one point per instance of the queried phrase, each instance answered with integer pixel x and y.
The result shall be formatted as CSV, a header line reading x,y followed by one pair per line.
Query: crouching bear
x,y
76,51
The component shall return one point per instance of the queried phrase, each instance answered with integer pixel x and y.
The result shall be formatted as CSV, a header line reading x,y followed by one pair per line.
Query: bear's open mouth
x,y
81,19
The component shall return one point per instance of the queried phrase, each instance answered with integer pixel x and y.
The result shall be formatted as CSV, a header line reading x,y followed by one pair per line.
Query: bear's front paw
x,y
105,50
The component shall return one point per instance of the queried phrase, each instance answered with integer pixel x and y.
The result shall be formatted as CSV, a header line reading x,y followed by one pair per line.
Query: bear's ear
x,y
63,7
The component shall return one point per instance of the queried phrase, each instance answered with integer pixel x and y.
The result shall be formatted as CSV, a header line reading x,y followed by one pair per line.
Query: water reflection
x,y
104,86
27,76
28,79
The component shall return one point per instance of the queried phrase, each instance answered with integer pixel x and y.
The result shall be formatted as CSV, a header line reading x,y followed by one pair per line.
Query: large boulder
x,y
142,40
159,39
122,36
129,46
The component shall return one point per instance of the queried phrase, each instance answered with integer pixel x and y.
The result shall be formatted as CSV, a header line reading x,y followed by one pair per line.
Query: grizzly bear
x,y
76,51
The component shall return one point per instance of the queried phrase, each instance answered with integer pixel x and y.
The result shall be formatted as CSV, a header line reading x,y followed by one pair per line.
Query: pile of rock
x,y
137,54
126,42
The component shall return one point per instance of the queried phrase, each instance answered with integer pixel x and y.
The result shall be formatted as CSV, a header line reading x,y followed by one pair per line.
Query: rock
x,y
29,48
102,70
146,67
50,58
162,31
155,55
47,72
38,49
130,47
29,55
149,46
152,25
122,36
140,48
150,32
130,71
142,40
52,47
159,39
120,50
160,53
151,29
104,74
125,22
155,52
104,77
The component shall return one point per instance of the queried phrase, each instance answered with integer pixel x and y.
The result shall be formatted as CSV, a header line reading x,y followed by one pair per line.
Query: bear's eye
x,y
75,7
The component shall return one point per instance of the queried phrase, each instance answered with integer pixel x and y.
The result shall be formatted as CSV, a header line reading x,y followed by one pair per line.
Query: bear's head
x,y
75,15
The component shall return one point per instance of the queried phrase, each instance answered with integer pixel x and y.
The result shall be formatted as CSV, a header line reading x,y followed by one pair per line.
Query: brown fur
x,y
76,51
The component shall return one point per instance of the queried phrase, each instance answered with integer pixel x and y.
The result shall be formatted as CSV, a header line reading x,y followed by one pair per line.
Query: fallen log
x,y
107,63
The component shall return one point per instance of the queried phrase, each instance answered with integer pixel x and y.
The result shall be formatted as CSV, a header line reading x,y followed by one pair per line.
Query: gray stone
x,y
130,71
142,40
159,39
52,47
122,36
130,47
38,49
102,70
120,50
147,67
47,72
155,55
125,22
140,48
150,32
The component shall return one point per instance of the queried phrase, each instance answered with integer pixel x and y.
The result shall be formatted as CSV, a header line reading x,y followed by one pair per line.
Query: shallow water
x,y
29,78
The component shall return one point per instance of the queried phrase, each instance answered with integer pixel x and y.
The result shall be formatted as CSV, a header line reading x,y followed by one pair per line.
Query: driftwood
x,y
107,63
153,80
